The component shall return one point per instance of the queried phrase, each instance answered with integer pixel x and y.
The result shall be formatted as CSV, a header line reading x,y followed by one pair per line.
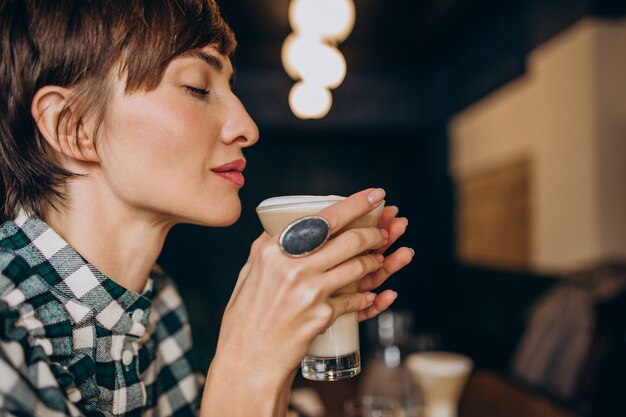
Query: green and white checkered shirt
x,y
73,342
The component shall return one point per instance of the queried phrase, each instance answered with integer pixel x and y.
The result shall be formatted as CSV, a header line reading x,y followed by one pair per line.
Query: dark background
x,y
411,65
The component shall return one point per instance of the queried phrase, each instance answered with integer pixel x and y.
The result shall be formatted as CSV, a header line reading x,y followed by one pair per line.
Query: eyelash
x,y
198,92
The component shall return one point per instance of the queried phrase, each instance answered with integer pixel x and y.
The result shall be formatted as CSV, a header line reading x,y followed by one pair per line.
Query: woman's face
x,y
168,152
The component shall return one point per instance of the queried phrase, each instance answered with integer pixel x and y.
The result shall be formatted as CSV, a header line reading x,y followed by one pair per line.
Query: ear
x,y
57,123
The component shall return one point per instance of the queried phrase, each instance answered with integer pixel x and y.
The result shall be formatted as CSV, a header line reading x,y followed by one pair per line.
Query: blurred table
x,y
486,395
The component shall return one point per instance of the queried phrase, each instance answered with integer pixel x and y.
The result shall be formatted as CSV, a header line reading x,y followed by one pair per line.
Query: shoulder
x,y
14,272
12,264
13,268
19,282
29,385
16,353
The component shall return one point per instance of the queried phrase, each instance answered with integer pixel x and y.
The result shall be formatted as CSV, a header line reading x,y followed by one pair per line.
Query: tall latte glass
x,y
335,353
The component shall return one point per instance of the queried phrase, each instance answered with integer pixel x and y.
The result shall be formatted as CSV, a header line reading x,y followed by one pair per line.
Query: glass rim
x,y
313,201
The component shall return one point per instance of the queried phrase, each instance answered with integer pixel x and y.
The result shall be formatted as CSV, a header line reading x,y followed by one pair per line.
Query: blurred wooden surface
x,y
486,395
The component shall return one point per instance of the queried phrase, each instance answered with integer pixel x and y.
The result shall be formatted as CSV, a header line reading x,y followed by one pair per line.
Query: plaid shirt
x,y
73,342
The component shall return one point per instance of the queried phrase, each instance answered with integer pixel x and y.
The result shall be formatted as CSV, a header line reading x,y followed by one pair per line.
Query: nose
x,y
239,126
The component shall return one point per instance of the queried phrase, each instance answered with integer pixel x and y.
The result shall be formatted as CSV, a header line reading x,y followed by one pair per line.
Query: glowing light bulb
x,y
309,53
328,19
313,61
309,101
287,56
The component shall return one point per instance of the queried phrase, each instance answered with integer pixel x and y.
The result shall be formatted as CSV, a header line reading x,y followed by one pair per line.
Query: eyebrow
x,y
213,61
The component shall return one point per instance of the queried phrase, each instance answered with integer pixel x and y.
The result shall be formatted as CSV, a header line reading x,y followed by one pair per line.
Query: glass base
x,y
331,369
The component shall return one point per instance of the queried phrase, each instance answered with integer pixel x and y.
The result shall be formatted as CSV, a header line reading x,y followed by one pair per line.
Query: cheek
x,y
153,125
155,132
157,153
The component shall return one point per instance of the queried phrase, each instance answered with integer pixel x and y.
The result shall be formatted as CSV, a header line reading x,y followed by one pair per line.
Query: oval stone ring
x,y
304,236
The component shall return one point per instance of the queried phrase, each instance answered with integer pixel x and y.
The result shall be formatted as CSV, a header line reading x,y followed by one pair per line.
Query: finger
x,y
351,271
392,264
386,216
347,245
341,214
350,303
254,249
380,304
256,245
397,228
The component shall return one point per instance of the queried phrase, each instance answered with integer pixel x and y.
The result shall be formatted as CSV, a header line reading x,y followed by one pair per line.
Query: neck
x,y
122,242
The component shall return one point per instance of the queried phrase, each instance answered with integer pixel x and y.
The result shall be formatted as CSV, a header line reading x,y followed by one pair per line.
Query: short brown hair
x,y
77,44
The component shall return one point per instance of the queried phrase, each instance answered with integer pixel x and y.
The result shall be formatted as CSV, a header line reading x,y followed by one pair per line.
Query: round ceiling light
x,y
314,62
309,101
329,19
310,53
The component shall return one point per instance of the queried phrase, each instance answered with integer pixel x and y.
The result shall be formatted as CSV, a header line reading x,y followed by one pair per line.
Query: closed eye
x,y
198,92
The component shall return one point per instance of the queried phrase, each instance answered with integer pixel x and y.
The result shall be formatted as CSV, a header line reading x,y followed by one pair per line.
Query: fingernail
x,y
371,297
395,295
412,251
376,196
406,221
385,234
380,258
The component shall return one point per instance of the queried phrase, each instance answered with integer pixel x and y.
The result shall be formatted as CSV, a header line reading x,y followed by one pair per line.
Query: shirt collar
x,y
116,308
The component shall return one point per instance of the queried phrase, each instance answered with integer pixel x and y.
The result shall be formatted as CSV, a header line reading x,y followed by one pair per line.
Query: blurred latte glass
x,y
441,377
373,407
334,354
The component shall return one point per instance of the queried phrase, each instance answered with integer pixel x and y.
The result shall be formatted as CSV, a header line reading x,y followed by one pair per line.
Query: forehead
x,y
207,59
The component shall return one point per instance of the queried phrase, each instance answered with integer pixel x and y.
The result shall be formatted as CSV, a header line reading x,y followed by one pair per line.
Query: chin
x,y
225,222
224,218
213,213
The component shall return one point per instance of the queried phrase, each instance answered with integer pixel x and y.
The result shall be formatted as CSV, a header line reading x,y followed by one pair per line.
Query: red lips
x,y
232,171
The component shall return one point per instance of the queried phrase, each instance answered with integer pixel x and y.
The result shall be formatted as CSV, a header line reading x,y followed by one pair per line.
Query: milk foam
x,y
439,363
277,203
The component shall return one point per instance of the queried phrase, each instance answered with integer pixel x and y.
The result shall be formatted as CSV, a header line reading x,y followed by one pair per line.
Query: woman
x,y
118,122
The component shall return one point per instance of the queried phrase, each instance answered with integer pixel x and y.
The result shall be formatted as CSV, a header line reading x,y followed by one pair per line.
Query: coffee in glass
x,y
334,354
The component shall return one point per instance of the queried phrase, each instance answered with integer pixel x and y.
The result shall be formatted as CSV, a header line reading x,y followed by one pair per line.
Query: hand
x,y
280,304
395,226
